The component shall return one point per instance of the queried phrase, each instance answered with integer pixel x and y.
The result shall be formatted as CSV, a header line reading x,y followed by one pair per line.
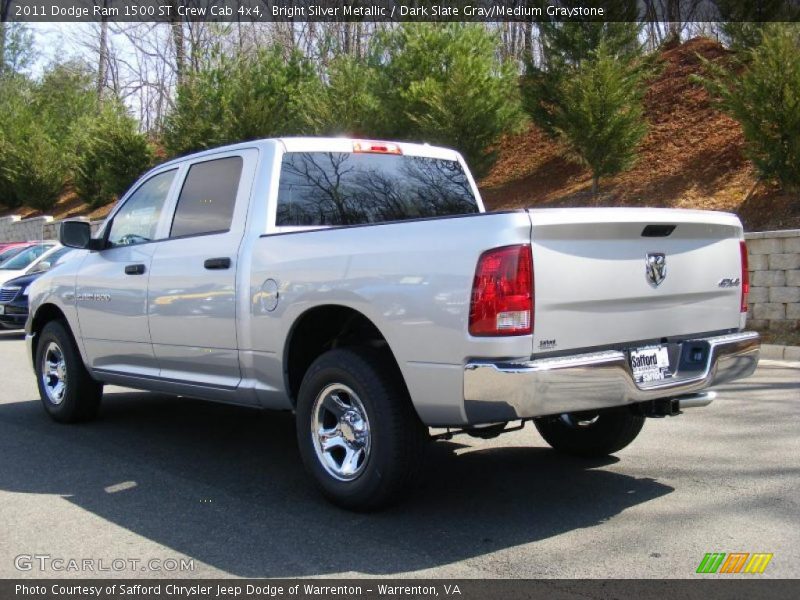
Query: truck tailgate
x,y
591,283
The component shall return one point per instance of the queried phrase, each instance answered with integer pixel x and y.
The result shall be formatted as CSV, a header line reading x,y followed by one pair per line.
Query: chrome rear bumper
x,y
496,392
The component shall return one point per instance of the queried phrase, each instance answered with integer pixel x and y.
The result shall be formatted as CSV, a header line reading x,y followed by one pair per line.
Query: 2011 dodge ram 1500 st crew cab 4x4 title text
x,y
362,285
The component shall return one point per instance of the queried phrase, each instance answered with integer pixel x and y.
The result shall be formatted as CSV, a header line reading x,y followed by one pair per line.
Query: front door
x,y
111,287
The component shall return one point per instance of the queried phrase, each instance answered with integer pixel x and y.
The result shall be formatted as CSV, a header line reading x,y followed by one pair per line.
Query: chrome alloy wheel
x,y
340,432
54,373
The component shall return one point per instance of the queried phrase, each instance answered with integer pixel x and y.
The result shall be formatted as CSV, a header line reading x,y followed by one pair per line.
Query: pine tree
x,y
587,93
444,84
743,22
762,92
600,116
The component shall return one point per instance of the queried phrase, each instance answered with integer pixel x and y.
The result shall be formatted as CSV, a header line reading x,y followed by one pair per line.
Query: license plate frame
x,y
650,364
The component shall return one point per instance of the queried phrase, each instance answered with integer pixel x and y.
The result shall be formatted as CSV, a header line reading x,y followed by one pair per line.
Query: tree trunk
x,y
528,43
347,39
595,185
178,41
102,63
675,22
2,47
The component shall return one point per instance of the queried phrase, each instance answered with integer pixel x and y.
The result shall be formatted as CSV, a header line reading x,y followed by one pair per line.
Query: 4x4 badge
x,y
656,268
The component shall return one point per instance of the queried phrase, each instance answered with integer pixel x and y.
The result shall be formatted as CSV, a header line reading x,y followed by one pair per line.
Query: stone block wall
x,y
774,259
15,229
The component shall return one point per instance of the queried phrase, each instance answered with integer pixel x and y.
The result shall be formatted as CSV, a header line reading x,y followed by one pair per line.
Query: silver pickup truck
x,y
361,285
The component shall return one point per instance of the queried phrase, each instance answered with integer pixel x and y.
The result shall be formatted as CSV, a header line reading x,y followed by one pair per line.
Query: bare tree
x,y
176,23
102,59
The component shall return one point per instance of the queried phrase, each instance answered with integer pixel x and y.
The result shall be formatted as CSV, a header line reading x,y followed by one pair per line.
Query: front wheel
x,y
590,434
68,392
357,431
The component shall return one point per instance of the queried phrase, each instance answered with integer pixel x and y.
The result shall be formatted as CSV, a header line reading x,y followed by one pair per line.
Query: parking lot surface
x,y
163,479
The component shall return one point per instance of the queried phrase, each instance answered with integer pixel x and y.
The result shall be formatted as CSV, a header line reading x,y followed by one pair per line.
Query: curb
x,y
776,352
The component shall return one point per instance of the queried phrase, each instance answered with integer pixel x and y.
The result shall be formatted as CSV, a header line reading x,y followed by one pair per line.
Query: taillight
x,y
502,292
376,147
745,276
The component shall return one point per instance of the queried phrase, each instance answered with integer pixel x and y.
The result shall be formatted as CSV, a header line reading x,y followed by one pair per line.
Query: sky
x,y
57,41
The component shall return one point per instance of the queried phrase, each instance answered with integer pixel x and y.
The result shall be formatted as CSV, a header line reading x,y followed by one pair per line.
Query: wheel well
x,y
324,328
45,314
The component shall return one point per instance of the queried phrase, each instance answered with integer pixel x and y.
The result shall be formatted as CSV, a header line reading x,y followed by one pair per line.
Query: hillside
x,y
691,158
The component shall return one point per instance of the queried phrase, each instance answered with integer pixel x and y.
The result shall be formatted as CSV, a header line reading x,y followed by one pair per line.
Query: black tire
x,y
79,400
591,435
396,437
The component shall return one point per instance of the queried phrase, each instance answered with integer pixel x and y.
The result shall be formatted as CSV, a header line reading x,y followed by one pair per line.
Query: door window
x,y
137,221
208,198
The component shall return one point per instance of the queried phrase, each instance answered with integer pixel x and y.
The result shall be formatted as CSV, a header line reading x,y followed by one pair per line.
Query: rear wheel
x,y
357,431
68,392
591,434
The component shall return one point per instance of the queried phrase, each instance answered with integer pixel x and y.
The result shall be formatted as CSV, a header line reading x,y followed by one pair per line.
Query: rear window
x,y
331,188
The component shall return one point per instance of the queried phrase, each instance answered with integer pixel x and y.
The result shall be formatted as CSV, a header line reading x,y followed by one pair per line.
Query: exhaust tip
x,y
696,400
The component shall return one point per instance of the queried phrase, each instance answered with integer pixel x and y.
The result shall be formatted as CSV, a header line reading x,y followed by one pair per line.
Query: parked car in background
x,y
9,251
25,262
14,293
6,245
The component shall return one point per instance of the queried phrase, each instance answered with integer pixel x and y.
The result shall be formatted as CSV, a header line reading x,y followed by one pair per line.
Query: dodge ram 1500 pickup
x,y
361,285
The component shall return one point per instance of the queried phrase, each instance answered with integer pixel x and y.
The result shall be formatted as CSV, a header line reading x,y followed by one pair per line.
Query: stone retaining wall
x,y
774,259
14,229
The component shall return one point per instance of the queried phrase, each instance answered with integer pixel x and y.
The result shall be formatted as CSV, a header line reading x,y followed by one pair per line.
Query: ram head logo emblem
x,y
656,268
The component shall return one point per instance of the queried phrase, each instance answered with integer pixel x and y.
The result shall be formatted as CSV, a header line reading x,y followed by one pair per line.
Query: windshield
x,y
10,252
24,258
51,260
340,188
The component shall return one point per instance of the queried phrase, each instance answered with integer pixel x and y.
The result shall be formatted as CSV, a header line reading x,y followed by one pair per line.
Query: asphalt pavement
x,y
159,484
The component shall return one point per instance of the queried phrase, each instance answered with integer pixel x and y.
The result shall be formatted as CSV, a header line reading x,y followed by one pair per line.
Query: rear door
x,y
607,277
192,286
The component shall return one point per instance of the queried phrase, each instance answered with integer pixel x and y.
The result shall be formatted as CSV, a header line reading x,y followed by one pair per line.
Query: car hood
x,y
23,280
9,275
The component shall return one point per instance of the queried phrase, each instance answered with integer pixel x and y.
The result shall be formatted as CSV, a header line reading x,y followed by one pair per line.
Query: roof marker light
x,y
376,148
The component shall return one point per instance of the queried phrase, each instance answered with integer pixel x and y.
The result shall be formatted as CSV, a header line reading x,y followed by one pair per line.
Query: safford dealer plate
x,y
650,364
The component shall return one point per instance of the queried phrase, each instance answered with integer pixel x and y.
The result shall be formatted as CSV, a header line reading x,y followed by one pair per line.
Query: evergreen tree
x,y
743,22
52,135
111,153
599,118
237,98
588,92
761,91
351,105
444,84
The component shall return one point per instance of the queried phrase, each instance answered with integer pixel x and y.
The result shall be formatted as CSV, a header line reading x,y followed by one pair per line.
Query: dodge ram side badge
x,y
361,285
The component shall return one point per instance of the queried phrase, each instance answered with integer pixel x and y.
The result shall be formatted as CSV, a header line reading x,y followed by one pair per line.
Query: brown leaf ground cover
x,y
692,157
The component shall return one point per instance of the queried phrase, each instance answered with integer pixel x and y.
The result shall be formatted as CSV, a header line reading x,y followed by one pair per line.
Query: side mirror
x,y
41,267
78,234
75,234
